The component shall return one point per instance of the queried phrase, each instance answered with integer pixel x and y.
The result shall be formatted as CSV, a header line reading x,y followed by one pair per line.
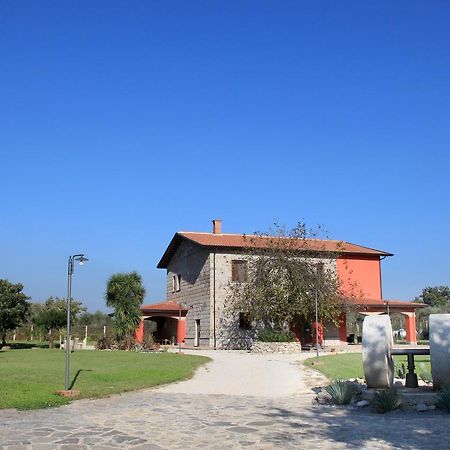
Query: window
x,y
239,271
176,283
244,322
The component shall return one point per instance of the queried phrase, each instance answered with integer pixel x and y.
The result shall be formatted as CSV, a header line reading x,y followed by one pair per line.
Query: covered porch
x,y
170,320
388,307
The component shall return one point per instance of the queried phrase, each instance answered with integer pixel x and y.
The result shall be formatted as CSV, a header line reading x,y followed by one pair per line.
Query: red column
x,y
139,332
181,330
410,325
317,328
343,328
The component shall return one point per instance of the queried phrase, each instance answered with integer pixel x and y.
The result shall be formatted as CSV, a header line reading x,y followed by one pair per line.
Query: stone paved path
x,y
161,419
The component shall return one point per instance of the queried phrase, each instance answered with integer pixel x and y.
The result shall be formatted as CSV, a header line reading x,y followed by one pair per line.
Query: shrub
x,y
386,400
443,398
341,391
105,343
424,374
276,336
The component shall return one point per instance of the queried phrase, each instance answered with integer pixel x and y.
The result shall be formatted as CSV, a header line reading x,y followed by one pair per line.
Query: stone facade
x,y
192,263
205,277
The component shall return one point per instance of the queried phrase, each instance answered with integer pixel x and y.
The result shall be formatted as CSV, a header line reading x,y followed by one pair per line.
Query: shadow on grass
x,y
75,378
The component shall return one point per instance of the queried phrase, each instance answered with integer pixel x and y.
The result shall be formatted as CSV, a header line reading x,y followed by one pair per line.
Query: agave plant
x,y
443,398
386,400
341,391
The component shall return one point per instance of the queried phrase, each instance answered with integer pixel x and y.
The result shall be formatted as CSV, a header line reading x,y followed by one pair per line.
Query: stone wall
x,y
192,263
275,347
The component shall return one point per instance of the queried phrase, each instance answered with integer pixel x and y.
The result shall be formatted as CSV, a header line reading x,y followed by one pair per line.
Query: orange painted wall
x,y
360,273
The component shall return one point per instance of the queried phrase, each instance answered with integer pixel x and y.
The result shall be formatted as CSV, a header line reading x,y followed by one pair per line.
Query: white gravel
x,y
242,373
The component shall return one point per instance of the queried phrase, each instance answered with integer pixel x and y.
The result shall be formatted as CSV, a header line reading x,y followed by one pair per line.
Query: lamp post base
x,y
70,393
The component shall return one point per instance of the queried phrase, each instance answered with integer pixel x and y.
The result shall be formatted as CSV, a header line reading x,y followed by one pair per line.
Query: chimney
x,y
217,226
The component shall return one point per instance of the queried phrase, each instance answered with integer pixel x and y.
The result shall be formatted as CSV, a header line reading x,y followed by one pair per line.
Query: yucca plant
x,y
443,398
341,391
386,400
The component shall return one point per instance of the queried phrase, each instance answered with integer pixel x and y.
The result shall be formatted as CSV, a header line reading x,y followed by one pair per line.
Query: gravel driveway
x,y
239,400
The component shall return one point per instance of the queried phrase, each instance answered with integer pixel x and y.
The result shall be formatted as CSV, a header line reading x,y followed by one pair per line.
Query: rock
x,y
362,403
422,407
323,398
398,383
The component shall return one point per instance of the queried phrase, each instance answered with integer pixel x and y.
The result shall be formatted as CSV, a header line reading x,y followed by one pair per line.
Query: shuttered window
x,y
239,271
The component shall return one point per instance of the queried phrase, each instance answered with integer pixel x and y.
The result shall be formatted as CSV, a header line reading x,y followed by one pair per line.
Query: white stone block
x,y
377,343
440,349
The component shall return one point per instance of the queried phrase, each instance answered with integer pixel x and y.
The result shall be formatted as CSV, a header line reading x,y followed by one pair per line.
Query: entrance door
x,y
197,333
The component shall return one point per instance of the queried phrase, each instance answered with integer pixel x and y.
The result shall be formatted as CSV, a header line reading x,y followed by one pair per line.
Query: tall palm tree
x,y
125,293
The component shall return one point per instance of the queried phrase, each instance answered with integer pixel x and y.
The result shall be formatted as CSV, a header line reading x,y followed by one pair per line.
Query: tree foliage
x,y
98,318
285,276
52,315
125,294
14,307
435,296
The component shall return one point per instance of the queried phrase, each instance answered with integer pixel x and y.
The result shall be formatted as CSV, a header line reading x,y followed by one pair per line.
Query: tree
x,y
286,273
435,296
98,318
125,294
52,315
14,307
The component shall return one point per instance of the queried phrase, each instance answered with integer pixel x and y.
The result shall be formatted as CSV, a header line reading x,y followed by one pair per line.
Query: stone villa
x,y
200,266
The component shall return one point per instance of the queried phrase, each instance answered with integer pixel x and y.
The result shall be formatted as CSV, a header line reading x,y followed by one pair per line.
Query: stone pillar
x,y
139,332
181,330
410,326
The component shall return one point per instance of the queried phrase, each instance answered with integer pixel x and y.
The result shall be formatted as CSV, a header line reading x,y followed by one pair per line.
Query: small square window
x,y
239,271
244,322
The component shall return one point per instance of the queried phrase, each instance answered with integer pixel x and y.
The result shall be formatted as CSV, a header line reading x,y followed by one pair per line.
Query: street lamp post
x,y
81,260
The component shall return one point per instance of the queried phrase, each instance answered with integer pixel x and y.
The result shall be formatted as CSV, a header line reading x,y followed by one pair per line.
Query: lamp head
x,y
81,259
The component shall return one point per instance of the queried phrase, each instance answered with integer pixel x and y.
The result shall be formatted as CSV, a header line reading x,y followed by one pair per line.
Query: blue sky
x,y
125,121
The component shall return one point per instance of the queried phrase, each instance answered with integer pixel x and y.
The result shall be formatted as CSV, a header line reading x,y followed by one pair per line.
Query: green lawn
x,y
349,365
30,377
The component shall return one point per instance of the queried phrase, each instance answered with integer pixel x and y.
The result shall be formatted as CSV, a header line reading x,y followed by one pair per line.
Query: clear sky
x,y
122,122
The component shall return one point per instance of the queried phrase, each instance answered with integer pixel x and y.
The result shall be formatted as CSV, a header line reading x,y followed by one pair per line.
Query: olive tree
x,y
288,274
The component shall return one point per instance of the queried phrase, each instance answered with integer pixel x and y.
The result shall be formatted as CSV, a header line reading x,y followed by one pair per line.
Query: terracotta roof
x,y
396,304
163,306
251,241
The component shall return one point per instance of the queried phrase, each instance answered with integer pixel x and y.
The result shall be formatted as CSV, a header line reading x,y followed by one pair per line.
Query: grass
x,y
30,377
349,365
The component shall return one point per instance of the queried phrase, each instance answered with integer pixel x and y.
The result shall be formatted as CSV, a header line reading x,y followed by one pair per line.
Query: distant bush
x,y
126,343
341,392
105,343
386,400
400,370
276,336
